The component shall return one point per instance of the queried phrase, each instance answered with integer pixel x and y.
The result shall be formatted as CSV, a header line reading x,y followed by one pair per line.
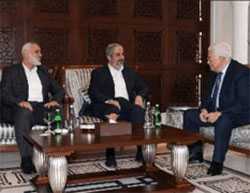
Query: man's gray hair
x,y
26,47
110,48
221,49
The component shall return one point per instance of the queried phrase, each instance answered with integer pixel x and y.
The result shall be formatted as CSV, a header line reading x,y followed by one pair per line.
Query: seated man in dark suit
x,y
225,105
24,92
117,93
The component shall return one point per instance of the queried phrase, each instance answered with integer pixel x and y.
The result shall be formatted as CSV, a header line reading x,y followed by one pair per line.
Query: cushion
x,y
86,100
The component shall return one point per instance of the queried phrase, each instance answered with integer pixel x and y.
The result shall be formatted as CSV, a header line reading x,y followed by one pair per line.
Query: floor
x,y
236,161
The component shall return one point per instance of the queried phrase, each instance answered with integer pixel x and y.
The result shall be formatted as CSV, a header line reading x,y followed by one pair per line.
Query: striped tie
x,y
216,90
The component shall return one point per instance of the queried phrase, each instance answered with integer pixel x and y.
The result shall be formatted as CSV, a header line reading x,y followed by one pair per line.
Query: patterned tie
x,y
216,90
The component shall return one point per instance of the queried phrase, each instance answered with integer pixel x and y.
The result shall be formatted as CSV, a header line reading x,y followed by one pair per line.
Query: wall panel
x,y
168,39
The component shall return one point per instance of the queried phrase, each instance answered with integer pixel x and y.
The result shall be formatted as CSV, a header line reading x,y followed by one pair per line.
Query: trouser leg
x,y
191,122
222,134
23,122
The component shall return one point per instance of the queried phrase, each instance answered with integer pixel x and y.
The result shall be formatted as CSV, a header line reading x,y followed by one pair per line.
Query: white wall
x,y
221,22
230,22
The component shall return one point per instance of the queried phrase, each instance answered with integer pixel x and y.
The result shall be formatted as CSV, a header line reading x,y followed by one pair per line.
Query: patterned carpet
x,y
13,180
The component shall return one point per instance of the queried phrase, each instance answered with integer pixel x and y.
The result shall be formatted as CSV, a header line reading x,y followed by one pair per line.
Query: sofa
x,y
240,139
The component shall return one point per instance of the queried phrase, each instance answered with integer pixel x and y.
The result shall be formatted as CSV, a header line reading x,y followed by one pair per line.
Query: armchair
x,y
75,80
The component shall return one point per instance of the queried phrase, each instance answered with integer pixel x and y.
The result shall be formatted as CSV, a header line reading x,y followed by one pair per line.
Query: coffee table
x,y
52,151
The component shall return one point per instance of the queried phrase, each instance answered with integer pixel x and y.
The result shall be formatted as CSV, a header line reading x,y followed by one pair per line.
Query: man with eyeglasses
x,y
225,105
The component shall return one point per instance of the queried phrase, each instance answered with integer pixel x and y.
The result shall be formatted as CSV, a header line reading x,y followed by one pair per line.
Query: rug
x,y
13,180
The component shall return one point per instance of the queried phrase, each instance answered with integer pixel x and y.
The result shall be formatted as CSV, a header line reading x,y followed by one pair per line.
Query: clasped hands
x,y
27,105
209,117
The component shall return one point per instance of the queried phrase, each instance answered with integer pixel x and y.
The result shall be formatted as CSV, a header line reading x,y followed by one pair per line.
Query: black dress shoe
x,y
27,165
110,158
215,169
110,162
139,156
195,158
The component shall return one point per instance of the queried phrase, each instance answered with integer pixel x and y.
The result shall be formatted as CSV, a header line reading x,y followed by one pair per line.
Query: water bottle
x,y
72,119
157,116
58,122
147,121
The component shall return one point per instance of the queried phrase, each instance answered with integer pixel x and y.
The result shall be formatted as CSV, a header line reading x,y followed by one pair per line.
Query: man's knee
x,y
223,124
137,114
24,113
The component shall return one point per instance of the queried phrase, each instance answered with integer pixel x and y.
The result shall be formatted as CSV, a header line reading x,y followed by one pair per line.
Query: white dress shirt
x,y
120,85
34,85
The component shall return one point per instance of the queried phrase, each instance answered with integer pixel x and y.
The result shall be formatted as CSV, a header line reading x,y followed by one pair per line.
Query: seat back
x,y
75,78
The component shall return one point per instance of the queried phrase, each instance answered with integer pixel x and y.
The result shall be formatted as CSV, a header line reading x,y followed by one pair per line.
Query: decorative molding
x,y
54,44
187,44
150,8
188,9
148,46
7,46
60,6
6,5
100,7
98,39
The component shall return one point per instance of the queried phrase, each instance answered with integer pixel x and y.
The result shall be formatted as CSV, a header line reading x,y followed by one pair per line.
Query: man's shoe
x,y
215,169
110,162
195,158
110,158
27,166
139,155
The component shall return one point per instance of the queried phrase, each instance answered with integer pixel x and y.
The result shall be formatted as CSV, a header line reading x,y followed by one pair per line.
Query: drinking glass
x,y
49,116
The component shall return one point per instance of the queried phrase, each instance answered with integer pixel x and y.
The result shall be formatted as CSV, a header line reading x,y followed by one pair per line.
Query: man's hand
x,y
112,116
212,117
52,104
139,101
203,115
25,104
114,102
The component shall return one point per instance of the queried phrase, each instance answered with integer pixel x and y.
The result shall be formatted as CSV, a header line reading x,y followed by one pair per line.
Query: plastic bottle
x,y
58,122
157,116
72,119
147,115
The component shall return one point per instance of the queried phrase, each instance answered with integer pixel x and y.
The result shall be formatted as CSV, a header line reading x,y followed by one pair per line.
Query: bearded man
x,y
25,92
117,93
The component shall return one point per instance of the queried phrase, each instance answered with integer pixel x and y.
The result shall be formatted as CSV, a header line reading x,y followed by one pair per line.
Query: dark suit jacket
x,y
234,96
14,88
102,85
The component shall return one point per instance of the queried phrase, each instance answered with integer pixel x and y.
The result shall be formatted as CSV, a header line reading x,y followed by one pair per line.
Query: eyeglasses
x,y
210,58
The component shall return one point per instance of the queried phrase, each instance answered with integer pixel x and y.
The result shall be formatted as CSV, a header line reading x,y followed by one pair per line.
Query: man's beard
x,y
35,61
119,65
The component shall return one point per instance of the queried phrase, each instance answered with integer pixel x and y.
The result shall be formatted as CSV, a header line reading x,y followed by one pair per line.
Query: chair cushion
x,y
89,119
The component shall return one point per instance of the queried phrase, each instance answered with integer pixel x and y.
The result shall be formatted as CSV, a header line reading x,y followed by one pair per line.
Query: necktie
x,y
216,90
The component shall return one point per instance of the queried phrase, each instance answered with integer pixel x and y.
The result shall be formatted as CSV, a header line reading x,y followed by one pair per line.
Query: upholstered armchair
x,y
240,139
76,80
